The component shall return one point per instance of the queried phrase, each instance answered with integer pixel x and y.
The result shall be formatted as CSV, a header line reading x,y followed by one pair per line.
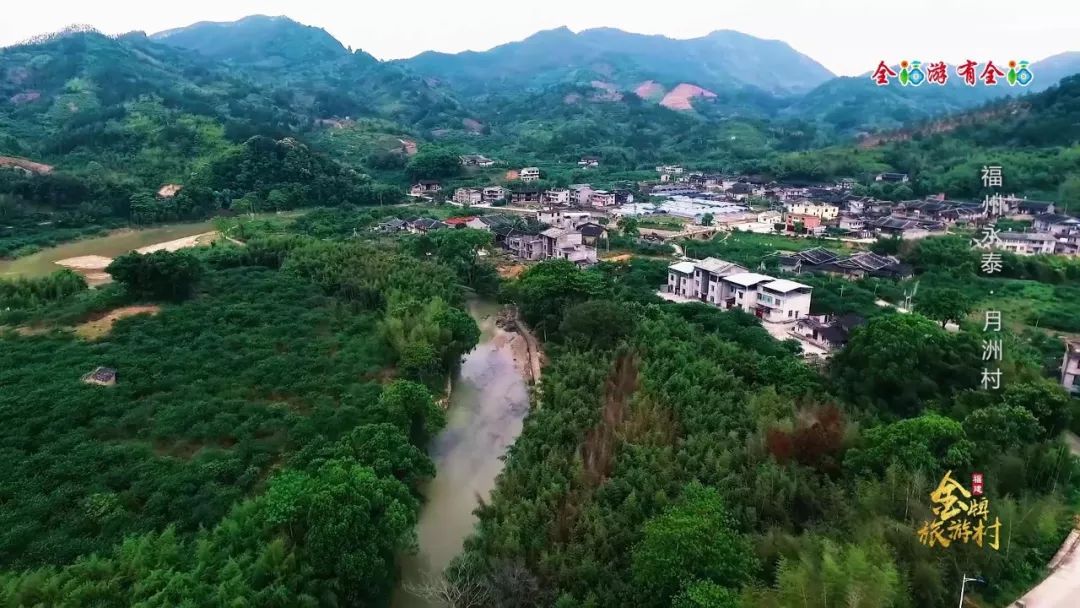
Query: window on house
x,y
789,314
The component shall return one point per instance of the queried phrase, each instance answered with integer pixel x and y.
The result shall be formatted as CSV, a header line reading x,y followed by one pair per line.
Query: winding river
x,y
488,404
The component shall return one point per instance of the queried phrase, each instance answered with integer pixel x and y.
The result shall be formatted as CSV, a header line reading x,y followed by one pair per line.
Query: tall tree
x,y
694,539
897,363
159,275
943,304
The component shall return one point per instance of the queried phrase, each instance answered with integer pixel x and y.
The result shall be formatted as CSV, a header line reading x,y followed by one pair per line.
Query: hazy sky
x,y
848,36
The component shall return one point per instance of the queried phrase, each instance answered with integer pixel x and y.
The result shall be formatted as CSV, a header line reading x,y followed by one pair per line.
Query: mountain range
x,y
64,94
743,74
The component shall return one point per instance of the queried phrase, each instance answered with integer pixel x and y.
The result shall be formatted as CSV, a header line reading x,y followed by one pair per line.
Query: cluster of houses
x,y
576,195
811,209
730,286
549,234
781,303
859,265
817,209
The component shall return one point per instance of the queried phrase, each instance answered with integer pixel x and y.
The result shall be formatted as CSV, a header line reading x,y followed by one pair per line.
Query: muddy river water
x,y
488,404
111,245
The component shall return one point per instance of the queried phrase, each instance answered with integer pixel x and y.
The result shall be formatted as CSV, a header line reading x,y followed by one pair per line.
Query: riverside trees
x,y
682,457
258,448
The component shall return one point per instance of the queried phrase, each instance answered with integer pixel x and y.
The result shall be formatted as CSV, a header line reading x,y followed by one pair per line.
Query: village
x,y
569,222
573,223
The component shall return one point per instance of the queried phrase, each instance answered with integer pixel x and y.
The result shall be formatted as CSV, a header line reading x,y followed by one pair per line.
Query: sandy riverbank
x,y
92,267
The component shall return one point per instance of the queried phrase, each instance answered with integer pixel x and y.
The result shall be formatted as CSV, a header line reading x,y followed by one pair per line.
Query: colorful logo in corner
x,y
913,74
1019,73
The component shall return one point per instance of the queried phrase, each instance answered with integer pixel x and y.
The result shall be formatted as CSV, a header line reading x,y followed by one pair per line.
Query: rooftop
x,y
1056,218
748,279
683,267
554,233
715,265
784,286
1026,236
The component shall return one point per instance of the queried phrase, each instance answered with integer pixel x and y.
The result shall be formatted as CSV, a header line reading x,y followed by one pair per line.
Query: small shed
x,y
102,376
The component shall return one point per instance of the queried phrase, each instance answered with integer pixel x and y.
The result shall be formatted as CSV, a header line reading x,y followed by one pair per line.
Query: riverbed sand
x,y
188,241
86,262
92,267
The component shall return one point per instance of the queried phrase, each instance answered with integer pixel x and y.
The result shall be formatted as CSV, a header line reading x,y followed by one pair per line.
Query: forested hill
x,y
257,40
115,119
850,105
722,60
1033,138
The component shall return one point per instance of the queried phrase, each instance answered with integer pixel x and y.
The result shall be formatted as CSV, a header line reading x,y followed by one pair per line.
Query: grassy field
x,y
750,249
1055,308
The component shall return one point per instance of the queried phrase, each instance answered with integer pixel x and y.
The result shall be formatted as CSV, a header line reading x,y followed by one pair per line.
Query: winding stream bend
x,y
488,404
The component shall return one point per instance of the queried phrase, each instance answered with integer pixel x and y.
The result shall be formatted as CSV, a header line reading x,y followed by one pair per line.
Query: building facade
x,y
1027,243
468,196
730,286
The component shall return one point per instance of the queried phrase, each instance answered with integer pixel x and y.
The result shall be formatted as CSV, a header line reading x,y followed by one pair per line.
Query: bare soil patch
x,y
91,267
25,97
679,97
25,164
473,125
101,326
650,90
195,240
510,271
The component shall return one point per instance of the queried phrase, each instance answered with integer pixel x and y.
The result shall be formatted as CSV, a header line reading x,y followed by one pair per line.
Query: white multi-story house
x,y
770,217
1027,243
468,196
602,198
825,211
561,244
558,218
782,301
529,174
557,196
494,193
681,280
730,286
670,169
701,279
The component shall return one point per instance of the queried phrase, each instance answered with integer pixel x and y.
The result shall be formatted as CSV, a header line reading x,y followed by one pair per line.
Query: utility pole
x,y
963,586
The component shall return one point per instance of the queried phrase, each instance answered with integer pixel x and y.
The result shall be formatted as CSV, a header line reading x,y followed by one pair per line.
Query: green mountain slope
x,y
126,104
721,60
309,70
256,40
852,104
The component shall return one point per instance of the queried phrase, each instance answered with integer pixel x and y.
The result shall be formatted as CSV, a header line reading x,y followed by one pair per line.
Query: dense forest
x,y
264,442
680,456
